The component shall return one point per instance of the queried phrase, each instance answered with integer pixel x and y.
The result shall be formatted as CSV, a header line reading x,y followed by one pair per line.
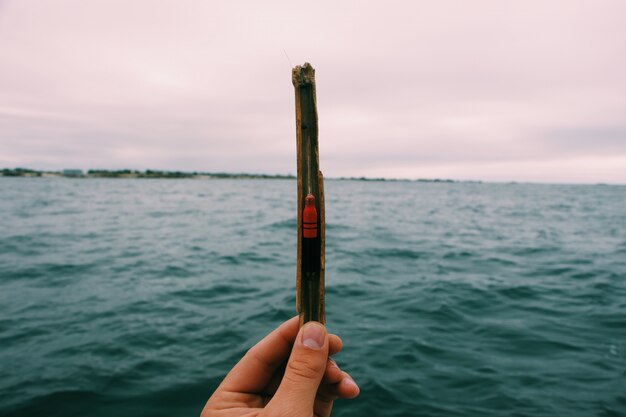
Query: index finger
x,y
256,368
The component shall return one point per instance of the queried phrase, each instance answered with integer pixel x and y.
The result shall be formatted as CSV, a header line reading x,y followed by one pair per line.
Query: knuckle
x,y
303,368
207,413
326,398
276,412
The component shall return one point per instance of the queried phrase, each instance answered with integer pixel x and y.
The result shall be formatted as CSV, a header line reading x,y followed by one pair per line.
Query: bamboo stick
x,y
310,277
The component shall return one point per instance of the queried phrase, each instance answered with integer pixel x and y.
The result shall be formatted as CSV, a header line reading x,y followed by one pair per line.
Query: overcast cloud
x,y
490,90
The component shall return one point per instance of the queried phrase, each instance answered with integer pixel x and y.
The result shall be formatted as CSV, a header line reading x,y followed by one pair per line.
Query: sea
x,y
134,297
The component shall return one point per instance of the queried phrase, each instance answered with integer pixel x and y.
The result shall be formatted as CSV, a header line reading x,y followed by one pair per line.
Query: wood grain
x,y
309,286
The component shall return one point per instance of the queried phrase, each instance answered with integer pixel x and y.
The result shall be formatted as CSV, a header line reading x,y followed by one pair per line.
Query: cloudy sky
x,y
487,90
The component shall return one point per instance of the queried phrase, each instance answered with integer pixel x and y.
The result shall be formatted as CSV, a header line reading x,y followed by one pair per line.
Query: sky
x,y
469,90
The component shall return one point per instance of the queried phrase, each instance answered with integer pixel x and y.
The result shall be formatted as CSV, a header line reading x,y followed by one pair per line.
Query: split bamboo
x,y
310,282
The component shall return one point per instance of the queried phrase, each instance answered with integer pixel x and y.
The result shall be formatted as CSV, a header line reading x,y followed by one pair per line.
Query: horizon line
x,y
249,175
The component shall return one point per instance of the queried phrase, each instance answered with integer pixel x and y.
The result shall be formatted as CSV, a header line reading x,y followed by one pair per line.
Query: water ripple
x,y
126,297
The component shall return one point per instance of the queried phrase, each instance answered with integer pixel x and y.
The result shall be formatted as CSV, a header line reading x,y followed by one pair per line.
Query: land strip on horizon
x,y
130,173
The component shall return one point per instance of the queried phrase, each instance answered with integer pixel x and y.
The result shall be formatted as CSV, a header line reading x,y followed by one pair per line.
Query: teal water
x,y
135,297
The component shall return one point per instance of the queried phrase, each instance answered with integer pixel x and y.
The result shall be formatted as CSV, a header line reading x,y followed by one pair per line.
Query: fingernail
x,y
333,363
313,335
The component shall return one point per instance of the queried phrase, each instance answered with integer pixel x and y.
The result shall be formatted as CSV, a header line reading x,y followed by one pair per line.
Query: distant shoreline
x,y
129,173
197,175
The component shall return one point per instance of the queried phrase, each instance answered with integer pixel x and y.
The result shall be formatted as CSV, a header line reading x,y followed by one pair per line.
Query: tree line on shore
x,y
149,173
131,173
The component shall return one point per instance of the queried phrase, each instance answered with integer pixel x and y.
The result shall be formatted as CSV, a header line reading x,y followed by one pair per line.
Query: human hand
x,y
287,374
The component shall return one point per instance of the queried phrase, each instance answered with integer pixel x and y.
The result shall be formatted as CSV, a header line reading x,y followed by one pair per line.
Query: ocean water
x,y
135,297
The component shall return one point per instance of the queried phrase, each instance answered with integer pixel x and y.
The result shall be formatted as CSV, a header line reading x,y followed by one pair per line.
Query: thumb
x,y
306,366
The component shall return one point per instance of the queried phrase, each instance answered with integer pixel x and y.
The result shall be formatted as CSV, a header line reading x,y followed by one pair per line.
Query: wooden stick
x,y
309,284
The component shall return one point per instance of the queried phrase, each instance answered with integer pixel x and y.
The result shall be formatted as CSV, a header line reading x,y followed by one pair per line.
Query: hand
x,y
288,373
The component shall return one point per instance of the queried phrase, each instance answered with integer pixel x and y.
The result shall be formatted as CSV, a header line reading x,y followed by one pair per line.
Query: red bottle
x,y
309,218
